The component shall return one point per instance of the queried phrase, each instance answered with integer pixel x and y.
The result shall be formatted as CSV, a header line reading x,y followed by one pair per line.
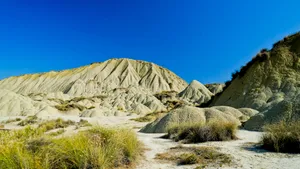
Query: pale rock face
x,y
97,78
196,92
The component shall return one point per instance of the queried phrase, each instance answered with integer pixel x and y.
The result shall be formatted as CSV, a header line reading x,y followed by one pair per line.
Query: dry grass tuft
x,y
55,124
197,132
28,121
195,155
12,120
282,137
95,148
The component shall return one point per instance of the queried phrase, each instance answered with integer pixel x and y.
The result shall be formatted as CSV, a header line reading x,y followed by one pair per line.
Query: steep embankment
x,y
98,78
270,83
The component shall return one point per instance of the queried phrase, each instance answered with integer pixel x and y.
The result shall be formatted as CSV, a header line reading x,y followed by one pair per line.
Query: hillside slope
x,y
98,78
270,83
196,92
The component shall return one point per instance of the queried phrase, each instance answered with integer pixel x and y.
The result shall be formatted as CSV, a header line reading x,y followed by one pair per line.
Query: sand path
x,y
245,154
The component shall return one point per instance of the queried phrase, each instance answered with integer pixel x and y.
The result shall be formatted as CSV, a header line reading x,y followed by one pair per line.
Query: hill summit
x,y
98,78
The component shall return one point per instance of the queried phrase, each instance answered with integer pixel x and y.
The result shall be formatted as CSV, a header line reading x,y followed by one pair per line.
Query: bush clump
x,y
71,106
198,132
282,137
55,124
95,148
29,120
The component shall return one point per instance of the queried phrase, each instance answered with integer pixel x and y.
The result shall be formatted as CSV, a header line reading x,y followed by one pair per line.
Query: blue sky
x,y
196,39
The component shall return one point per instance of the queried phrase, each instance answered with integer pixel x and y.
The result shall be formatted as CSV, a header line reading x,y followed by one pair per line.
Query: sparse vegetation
x,y
150,117
83,123
173,104
56,133
67,107
55,124
206,156
12,120
282,137
28,121
165,94
94,148
188,158
60,123
198,132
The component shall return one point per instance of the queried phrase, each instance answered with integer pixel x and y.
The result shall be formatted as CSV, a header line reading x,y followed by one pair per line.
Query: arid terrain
x,y
153,117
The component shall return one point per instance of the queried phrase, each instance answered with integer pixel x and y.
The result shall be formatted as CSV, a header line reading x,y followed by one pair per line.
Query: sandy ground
x,y
245,154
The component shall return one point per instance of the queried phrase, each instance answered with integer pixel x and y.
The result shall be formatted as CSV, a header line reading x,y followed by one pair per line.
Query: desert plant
x,y
198,132
95,148
195,155
188,158
28,121
12,120
83,123
282,137
58,132
54,124
67,107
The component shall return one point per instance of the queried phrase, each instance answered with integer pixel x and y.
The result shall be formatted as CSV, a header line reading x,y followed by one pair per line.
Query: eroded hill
x,y
270,83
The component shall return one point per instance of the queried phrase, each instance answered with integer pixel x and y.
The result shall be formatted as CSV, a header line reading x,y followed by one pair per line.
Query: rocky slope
x,y
97,78
270,83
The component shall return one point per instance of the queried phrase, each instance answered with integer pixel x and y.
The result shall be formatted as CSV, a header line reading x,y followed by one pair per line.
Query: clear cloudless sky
x,y
197,39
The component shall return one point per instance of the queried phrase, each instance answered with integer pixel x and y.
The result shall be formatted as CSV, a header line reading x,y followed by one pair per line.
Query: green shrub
x,y
58,132
67,107
197,132
95,148
29,120
83,123
282,137
54,124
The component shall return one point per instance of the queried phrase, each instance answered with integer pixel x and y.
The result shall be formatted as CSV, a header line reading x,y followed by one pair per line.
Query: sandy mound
x,y
195,92
98,78
189,114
